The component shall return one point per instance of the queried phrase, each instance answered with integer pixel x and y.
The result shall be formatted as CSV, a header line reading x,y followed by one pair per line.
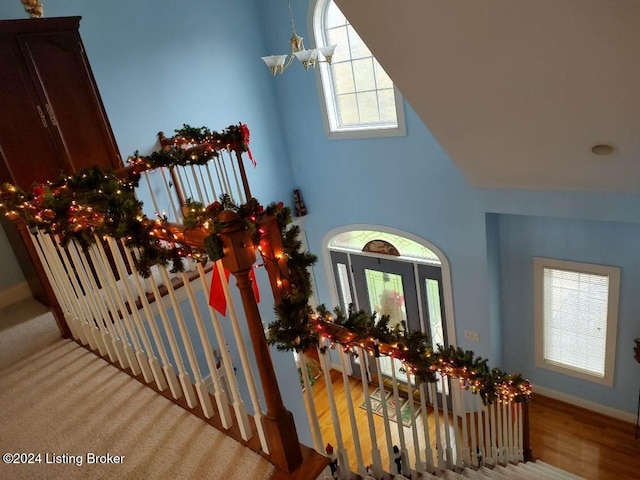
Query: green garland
x,y
97,203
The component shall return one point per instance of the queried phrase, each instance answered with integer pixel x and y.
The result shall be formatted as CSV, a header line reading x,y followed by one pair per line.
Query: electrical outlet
x,y
472,336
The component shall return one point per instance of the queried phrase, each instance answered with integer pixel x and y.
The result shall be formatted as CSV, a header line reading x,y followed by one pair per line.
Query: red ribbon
x,y
216,296
246,138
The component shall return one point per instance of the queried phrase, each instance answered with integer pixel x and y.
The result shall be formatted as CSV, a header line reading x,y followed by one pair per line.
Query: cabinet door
x,y
71,100
27,147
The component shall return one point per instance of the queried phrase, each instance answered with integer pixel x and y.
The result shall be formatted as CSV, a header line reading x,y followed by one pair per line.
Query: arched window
x,y
360,99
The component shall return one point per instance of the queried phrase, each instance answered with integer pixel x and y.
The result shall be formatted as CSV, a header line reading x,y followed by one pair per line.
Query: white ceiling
x,y
518,91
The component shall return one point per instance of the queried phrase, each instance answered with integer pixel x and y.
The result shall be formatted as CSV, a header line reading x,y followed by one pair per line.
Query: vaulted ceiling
x,y
517,92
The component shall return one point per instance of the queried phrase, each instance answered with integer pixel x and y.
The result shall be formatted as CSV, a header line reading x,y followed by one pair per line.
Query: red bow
x,y
216,296
246,138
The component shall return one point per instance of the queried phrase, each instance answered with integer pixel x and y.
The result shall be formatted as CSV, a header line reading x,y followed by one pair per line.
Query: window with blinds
x,y
576,316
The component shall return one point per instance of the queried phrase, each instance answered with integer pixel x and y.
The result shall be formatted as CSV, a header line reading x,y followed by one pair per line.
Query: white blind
x,y
575,319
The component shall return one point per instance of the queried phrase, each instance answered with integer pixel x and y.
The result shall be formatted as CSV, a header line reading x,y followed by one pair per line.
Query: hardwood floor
x,y
582,442
579,441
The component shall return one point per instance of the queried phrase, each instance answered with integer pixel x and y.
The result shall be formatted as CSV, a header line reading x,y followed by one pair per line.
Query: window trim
x,y
327,96
539,264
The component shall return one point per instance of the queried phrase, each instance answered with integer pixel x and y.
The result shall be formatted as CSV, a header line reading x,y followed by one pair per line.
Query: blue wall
x,y
607,243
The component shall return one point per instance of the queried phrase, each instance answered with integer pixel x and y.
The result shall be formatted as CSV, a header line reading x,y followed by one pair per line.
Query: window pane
x,y
343,78
358,47
347,108
386,295
435,314
387,102
334,16
368,107
382,79
575,319
339,37
363,73
345,291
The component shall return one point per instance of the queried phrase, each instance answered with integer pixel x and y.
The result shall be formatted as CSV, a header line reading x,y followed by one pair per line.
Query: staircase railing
x,y
160,327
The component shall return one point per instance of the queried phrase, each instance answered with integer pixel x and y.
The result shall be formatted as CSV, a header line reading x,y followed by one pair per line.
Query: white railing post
x,y
376,458
429,465
404,454
447,433
354,426
316,433
203,394
183,376
145,356
244,358
419,465
167,368
223,406
433,391
239,407
344,470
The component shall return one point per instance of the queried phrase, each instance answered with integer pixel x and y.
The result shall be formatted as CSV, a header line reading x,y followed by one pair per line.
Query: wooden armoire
x,y
52,121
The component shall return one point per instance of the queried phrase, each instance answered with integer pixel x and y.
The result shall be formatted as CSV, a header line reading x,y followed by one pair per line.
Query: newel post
x,y
279,426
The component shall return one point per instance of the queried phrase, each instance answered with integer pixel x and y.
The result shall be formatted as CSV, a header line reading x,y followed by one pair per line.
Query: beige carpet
x,y
62,402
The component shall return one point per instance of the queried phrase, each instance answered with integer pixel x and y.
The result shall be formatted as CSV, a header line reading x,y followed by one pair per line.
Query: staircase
x,y
523,471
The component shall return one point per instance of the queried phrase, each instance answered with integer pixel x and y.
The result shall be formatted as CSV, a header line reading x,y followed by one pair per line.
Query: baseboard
x,y
14,294
586,404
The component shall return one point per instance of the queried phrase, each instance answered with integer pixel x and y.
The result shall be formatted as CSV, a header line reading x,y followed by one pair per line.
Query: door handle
x,y
52,118
43,119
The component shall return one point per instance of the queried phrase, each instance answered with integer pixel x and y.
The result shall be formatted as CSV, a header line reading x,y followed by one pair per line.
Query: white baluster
x,y
385,416
200,198
113,316
221,397
145,356
235,176
244,358
474,438
429,466
90,287
167,368
151,193
433,391
344,471
376,458
505,429
82,305
216,166
350,410
404,453
182,183
183,376
447,426
121,314
462,444
311,405
60,283
419,465
520,433
225,176
188,346
510,425
238,404
206,199
496,431
211,182
177,215
482,445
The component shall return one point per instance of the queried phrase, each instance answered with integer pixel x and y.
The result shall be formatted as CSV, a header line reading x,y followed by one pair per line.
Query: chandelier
x,y
33,8
308,57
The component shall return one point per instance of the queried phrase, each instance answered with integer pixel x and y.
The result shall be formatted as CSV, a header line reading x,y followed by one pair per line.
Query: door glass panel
x,y
343,280
386,295
435,314
387,363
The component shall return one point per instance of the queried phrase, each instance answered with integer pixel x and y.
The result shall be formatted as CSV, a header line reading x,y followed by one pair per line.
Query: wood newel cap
x,y
238,248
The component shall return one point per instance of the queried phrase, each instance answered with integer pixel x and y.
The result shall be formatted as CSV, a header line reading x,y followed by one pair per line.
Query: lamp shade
x,y
274,61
